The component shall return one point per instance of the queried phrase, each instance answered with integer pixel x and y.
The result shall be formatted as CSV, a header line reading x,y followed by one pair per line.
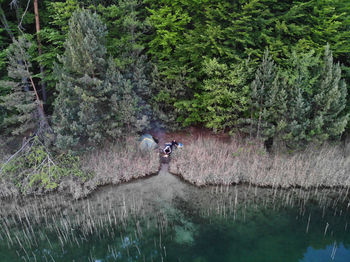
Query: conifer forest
x,y
78,75
94,70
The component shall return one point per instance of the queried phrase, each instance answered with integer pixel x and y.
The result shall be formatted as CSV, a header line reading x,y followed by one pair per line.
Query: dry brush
x,y
209,161
117,163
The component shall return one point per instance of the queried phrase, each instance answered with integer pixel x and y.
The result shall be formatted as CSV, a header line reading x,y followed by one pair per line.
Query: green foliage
x,y
169,21
329,101
18,101
224,98
299,80
304,102
95,101
54,17
34,169
166,93
268,100
198,50
187,33
125,30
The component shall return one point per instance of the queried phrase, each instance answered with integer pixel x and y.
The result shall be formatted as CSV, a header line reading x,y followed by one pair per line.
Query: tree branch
x,y
15,154
20,27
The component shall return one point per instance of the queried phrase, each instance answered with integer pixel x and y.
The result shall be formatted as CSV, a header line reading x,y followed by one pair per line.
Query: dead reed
x,y
113,164
120,162
211,162
129,223
56,223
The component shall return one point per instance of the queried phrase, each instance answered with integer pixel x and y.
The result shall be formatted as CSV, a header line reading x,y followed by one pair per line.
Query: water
x,y
164,219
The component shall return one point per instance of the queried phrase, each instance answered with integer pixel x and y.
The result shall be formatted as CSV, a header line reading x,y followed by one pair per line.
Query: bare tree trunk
x,y
259,122
37,27
43,123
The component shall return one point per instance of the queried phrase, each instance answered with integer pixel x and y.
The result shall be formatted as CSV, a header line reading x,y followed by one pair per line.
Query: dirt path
x,y
186,136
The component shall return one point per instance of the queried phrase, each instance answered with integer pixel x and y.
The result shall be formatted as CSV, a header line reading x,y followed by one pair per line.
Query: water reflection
x,y
335,252
164,219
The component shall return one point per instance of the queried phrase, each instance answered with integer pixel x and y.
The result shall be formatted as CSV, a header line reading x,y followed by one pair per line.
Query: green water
x,y
167,220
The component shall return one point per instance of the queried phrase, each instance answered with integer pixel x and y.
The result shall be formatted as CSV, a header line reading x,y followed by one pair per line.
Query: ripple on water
x,y
164,219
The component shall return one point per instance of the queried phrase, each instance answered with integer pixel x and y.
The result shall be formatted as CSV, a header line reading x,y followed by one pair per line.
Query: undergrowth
x,y
36,170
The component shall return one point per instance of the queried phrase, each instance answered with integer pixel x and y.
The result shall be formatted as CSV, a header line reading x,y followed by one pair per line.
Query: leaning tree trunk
x,y
43,125
37,27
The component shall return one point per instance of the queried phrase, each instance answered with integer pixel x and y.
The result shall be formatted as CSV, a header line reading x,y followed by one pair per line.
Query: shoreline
x,y
205,161
334,189
157,179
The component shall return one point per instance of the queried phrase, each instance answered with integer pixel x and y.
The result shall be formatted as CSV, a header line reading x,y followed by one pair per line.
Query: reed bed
x,y
56,223
120,162
233,201
114,164
208,161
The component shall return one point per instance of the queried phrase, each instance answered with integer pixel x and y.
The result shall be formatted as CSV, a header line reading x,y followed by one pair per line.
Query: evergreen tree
x,y
225,95
264,99
328,101
274,112
95,101
126,28
299,80
166,93
21,104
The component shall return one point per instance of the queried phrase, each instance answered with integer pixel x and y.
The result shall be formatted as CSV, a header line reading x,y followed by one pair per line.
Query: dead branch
x,y
20,27
15,154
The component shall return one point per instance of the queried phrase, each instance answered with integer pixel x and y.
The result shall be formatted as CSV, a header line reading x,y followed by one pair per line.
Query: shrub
x,y
34,170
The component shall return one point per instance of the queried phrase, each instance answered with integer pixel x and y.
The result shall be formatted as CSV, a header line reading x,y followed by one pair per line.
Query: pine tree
x,y
298,117
275,111
261,88
23,108
299,80
166,92
328,102
267,104
124,42
95,101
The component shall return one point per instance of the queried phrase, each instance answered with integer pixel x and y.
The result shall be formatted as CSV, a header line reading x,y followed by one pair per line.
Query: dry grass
x,y
117,163
210,161
113,164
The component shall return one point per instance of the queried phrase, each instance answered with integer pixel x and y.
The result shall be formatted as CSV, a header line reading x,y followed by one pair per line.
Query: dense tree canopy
x,y
273,69
94,100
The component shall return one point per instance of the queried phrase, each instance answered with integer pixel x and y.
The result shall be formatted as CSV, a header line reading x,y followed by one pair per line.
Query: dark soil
x,y
187,136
